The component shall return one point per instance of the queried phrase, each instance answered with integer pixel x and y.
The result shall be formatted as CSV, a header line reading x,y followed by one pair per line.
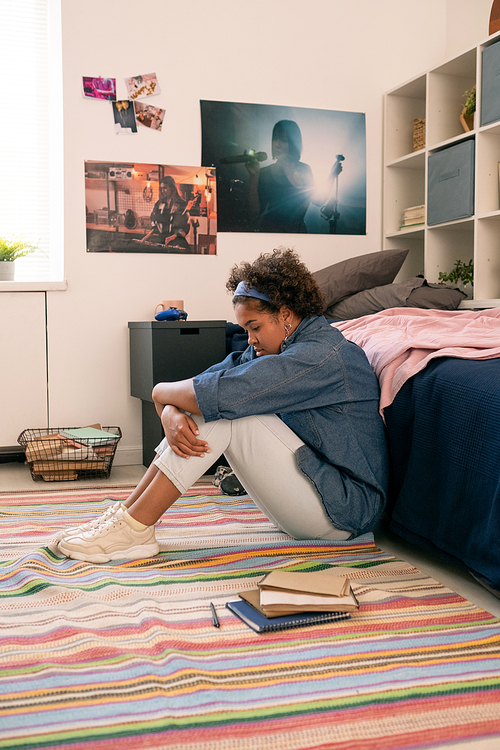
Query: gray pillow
x,y
436,296
354,275
414,292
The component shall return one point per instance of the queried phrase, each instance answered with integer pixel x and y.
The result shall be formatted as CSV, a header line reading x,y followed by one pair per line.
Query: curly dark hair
x,y
284,278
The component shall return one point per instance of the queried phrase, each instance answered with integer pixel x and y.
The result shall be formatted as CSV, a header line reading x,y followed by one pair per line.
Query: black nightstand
x,y
167,351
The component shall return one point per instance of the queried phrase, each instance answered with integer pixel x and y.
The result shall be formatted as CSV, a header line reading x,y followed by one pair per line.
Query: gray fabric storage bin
x,y
450,193
490,84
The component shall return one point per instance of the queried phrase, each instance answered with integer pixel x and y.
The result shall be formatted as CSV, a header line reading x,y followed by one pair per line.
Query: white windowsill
x,y
33,286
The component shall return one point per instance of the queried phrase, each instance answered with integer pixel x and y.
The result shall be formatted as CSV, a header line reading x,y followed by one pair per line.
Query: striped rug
x,y
124,655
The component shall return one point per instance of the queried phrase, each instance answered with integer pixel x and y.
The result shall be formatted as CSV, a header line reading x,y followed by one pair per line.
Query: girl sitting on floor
x,y
295,414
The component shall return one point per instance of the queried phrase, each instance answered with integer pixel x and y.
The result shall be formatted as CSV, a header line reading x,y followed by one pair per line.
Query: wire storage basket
x,y
66,453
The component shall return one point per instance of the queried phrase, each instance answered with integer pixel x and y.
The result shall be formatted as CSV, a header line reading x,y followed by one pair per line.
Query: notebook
x,y
262,624
91,434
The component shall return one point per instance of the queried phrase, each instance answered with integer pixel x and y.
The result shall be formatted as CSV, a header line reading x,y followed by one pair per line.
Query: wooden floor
x,y
16,477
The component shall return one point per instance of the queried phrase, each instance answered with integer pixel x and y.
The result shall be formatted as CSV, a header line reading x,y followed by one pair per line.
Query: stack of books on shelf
x,y
286,599
413,216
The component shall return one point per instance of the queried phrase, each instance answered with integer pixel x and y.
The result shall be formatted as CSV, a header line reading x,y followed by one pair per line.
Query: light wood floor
x,y
17,477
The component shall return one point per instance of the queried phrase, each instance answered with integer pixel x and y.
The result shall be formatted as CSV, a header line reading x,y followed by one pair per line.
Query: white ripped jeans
x,y
260,450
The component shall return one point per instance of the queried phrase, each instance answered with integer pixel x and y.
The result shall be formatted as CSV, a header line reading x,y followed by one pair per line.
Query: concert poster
x,y
286,169
150,208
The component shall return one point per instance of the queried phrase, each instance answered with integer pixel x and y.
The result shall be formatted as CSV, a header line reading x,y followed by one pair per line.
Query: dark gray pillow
x,y
436,296
414,292
357,274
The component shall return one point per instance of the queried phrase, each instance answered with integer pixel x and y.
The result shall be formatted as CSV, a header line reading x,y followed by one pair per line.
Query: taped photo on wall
x,y
139,87
124,116
99,88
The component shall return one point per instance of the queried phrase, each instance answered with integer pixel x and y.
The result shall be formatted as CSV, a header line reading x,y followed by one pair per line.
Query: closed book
x,y
90,435
252,596
262,624
415,209
285,592
40,450
284,602
42,467
318,582
60,476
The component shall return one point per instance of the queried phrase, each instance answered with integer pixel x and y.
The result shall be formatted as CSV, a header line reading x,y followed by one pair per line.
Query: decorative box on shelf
x,y
419,134
450,177
68,453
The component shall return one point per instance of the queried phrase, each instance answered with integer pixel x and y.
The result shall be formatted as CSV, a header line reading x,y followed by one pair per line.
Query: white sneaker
x,y
113,539
72,530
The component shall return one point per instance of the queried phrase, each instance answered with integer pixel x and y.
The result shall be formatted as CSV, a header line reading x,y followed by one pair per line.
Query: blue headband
x,y
245,290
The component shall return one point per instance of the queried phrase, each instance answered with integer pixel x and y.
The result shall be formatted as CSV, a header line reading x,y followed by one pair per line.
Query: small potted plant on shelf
x,y
10,250
467,116
461,275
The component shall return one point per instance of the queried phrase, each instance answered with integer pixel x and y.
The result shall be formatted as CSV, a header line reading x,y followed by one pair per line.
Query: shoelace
x,y
104,525
108,513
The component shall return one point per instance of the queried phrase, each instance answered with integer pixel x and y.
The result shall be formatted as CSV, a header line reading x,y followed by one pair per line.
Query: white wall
x,y
467,24
320,53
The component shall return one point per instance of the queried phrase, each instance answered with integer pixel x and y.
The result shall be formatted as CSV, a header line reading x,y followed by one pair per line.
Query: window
x,y
30,132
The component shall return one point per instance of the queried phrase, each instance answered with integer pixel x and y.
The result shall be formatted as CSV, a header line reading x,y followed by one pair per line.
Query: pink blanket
x,y
401,341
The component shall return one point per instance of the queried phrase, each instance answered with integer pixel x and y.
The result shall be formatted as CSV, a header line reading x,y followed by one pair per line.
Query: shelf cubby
x,y
403,105
414,263
405,184
487,260
438,95
445,245
447,85
487,166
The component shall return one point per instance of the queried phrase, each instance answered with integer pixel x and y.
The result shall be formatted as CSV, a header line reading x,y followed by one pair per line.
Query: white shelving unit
x,y
438,96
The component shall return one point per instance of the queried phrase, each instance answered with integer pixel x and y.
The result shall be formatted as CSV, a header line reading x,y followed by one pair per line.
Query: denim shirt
x,y
323,388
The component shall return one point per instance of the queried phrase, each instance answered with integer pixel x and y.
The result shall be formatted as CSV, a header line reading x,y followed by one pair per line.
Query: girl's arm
x,y
172,400
180,393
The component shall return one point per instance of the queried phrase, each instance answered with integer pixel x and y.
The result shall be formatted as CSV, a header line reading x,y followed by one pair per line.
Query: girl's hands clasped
x,y
181,432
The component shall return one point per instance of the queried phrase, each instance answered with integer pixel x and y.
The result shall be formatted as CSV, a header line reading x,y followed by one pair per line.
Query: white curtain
x,y
24,131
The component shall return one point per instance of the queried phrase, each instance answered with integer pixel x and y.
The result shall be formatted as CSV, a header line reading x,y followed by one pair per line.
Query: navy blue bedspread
x,y
444,440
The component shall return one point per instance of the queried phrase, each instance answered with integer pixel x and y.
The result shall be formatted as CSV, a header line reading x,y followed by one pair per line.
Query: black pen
x,y
215,619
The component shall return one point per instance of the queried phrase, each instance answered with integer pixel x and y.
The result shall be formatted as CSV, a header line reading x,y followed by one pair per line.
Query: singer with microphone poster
x,y
286,169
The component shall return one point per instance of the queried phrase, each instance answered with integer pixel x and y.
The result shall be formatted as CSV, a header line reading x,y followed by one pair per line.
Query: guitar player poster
x,y
150,208
286,169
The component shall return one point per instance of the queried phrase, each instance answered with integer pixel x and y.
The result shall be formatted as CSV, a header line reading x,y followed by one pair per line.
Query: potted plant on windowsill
x,y
10,250
467,116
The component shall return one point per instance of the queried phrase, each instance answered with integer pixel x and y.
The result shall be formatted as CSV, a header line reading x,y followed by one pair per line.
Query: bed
x,y
439,373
